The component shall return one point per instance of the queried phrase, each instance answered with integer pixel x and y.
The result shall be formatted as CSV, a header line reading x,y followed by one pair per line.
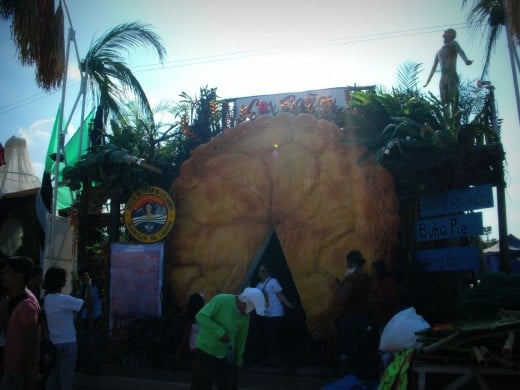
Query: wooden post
x,y
507,349
478,356
505,262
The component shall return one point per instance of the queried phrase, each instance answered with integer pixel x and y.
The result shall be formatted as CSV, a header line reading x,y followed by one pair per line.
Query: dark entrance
x,y
296,343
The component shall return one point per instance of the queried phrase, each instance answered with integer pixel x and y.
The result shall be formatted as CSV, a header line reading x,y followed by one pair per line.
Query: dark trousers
x,y
272,328
208,369
353,335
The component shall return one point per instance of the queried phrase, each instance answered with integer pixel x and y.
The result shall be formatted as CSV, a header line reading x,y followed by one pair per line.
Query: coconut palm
x,y
490,15
493,15
108,74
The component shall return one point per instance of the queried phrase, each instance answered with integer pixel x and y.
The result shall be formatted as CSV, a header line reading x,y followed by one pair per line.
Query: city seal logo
x,y
149,214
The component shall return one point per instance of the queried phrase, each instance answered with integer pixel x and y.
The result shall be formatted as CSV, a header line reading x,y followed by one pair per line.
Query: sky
x,y
256,48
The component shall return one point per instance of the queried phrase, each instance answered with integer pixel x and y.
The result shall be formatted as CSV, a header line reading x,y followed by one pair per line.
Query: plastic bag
x,y
399,332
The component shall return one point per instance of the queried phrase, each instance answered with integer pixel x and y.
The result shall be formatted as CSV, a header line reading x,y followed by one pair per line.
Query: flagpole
x,y
59,151
83,87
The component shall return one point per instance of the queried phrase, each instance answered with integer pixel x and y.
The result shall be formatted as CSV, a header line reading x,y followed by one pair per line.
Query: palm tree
x,y
109,76
493,15
489,13
113,84
407,131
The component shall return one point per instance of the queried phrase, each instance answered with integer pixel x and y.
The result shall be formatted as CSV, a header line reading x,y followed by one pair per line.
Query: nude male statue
x,y
449,82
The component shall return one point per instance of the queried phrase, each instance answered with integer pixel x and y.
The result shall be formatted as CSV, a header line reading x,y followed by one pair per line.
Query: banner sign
x,y
309,99
449,259
452,202
135,282
464,225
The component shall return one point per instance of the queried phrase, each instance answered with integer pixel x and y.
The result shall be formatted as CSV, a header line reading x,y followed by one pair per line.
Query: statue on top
x,y
449,83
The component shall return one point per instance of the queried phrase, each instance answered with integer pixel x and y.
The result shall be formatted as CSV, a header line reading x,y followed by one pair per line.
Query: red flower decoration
x,y
262,107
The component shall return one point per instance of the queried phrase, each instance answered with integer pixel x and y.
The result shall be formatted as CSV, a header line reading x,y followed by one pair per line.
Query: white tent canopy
x,y
513,243
17,177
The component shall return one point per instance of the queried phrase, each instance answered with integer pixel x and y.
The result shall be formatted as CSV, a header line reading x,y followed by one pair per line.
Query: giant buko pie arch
x,y
293,174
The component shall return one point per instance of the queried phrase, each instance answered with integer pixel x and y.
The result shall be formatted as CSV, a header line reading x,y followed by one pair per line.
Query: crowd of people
x,y
33,308
367,303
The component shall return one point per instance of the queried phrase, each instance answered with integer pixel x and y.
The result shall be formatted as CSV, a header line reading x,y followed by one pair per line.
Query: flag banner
x,y
76,146
72,152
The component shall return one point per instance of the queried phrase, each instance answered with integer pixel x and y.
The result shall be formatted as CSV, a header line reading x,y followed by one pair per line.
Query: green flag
x,y
53,143
72,155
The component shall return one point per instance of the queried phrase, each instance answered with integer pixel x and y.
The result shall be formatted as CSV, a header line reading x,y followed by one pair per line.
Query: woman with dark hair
x,y
60,311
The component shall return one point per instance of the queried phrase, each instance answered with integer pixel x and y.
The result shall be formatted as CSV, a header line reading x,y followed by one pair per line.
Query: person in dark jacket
x,y
354,293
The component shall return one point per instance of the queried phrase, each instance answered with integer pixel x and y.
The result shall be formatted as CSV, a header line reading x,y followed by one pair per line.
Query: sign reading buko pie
x,y
464,225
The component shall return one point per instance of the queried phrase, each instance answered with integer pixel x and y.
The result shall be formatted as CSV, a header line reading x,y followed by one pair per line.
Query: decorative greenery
x,y
107,72
407,131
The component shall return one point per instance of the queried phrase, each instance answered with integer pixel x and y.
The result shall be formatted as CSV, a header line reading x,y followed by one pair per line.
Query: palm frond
x,y
107,70
408,76
124,37
490,16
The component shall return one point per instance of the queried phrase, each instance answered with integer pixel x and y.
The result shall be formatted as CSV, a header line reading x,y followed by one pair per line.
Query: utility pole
x,y
505,263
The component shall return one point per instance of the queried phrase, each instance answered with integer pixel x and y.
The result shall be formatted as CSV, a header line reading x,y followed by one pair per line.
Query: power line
x,y
335,42
30,100
192,61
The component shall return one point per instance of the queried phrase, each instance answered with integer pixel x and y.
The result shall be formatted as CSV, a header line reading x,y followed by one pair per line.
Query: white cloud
x,y
37,136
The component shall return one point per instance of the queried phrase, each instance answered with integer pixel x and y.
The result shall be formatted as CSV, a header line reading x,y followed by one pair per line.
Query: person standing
x,y
273,321
60,311
355,295
35,281
22,332
385,301
224,324
86,287
385,304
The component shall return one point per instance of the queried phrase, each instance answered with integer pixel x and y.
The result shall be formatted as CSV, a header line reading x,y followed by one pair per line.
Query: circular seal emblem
x,y
149,214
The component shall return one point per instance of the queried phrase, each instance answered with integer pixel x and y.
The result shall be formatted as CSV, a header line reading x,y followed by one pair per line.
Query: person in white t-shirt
x,y
60,311
273,321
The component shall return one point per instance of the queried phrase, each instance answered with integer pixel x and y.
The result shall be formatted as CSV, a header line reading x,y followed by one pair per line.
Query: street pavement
x,y
129,378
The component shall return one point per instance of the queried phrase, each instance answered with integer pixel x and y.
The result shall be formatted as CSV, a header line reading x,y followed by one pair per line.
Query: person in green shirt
x,y
224,323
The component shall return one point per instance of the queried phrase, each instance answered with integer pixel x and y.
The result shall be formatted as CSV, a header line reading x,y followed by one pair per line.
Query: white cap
x,y
254,299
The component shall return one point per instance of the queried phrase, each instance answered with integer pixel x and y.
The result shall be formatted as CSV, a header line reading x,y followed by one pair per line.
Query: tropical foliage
x,y
407,131
163,145
492,16
108,74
